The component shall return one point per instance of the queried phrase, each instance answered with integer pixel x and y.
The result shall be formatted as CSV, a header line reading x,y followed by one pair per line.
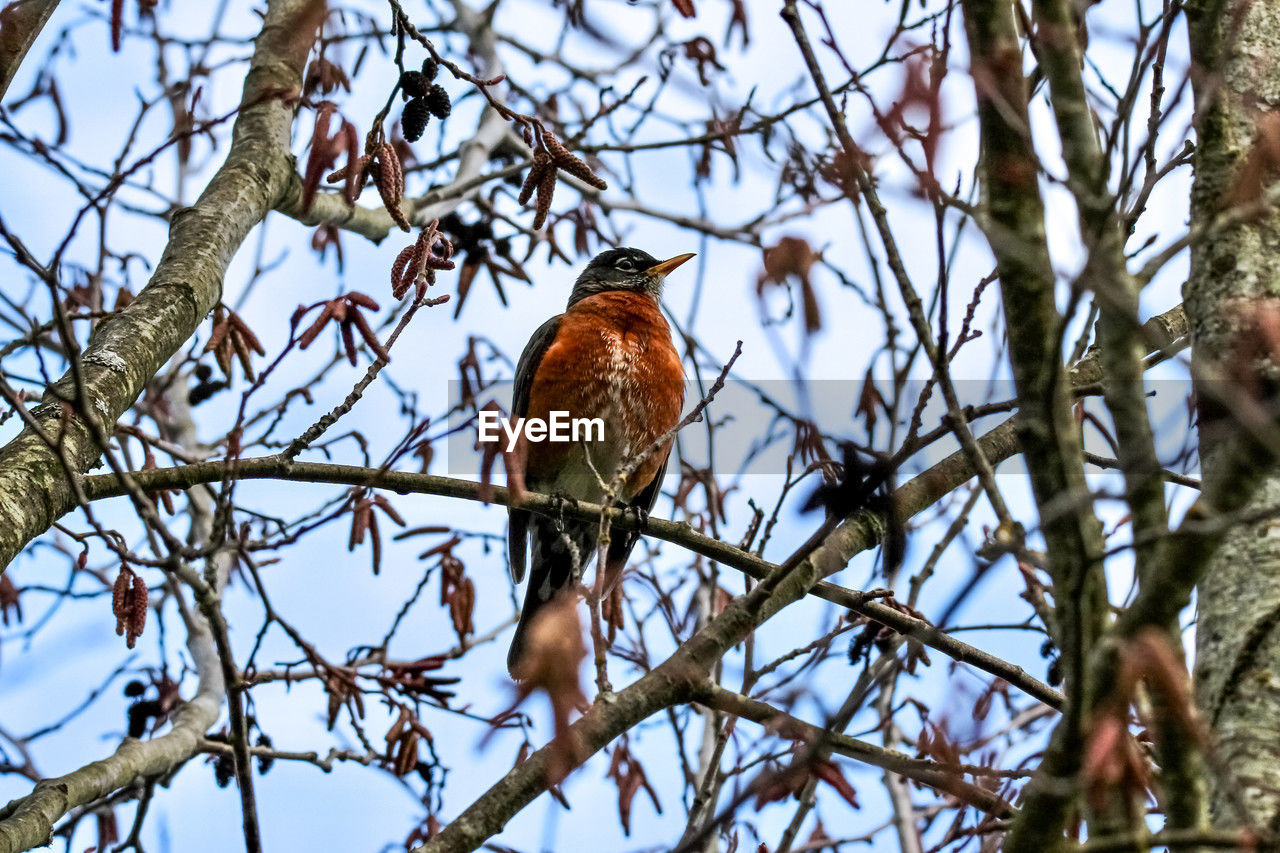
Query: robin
x,y
608,356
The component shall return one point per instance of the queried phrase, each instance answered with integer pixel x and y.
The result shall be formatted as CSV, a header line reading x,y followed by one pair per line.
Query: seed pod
x,y
313,331
404,271
541,162
349,342
413,84
363,300
407,756
246,333
546,189
429,69
438,101
224,770
264,761
137,620
570,162
390,180
120,597
413,121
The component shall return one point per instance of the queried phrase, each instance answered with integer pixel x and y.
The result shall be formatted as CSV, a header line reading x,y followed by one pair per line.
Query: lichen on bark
x,y
1237,673
123,354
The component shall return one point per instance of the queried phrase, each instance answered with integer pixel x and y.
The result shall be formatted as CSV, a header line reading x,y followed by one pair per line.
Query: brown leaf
x,y
466,275
630,779
869,401
827,771
324,77
702,52
817,837
738,20
554,652
9,594
790,257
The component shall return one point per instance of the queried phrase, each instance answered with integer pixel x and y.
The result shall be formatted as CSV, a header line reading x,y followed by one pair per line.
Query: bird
x,y
610,356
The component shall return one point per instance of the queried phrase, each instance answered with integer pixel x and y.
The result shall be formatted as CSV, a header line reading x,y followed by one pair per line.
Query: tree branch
x,y
127,350
941,777
1047,433
1116,293
918,495
20,25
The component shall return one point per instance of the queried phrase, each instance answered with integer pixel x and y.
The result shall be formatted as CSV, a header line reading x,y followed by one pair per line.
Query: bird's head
x,y
624,269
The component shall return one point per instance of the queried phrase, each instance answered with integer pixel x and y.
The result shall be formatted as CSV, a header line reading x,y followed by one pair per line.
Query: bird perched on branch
x,y
608,356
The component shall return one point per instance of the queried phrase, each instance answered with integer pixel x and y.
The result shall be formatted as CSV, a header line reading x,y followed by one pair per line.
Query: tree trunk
x,y
1233,269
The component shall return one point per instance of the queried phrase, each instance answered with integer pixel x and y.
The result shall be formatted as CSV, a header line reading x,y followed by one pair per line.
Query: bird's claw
x,y
560,501
640,514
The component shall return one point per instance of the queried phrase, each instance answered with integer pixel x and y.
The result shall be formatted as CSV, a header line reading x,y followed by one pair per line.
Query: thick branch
x,y
676,680
28,822
1232,284
918,495
20,24
473,155
1047,433
127,350
1116,293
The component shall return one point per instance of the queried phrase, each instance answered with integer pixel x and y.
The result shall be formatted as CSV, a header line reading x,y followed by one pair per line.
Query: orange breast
x,y
612,359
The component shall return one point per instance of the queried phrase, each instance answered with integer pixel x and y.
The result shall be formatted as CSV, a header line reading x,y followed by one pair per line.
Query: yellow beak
x,y
664,267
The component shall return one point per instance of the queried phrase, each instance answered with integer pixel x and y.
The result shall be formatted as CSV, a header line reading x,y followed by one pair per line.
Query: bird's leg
x,y
560,500
640,514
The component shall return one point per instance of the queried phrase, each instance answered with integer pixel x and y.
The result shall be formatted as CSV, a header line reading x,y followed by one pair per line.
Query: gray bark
x,y
1237,673
20,25
121,358
126,351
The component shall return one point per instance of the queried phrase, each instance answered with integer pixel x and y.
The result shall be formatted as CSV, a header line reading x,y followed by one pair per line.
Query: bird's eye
x,y
626,265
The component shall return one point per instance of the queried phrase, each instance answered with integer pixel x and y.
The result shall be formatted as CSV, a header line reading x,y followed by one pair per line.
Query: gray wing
x,y
518,519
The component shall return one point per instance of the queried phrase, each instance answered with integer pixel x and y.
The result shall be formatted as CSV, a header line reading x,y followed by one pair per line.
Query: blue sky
x,y
331,596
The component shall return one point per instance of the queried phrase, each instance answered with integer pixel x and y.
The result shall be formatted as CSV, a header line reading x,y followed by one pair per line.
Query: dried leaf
x,y
827,771
9,595
554,651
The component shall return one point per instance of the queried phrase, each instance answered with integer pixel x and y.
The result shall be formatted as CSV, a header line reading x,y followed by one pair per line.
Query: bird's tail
x,y
559,553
